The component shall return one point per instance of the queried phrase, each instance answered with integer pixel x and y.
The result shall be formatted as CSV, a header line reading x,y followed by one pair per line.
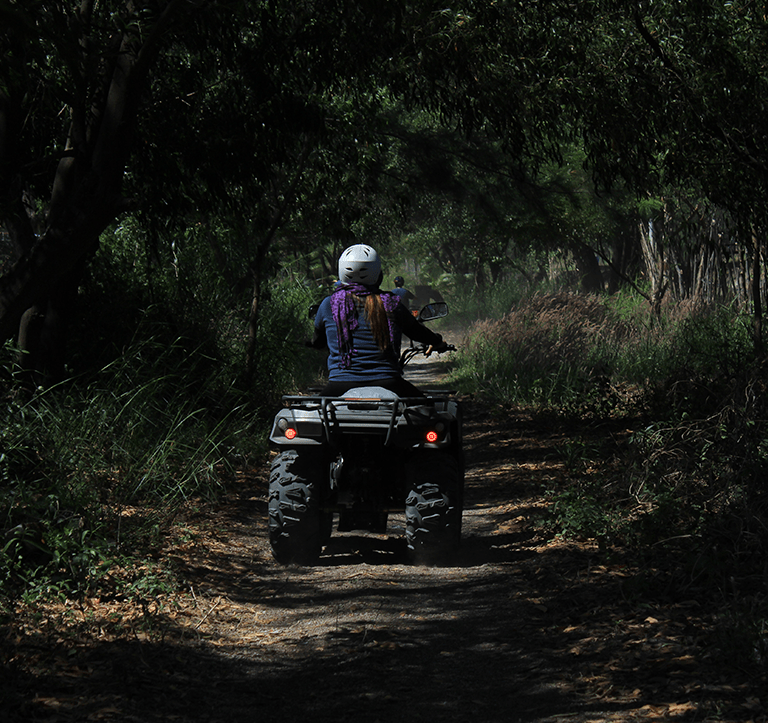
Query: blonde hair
x,y
376,315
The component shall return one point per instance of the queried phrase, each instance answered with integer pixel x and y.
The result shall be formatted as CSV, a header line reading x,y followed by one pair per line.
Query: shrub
x,y
584,354
144,430
166,418
550,351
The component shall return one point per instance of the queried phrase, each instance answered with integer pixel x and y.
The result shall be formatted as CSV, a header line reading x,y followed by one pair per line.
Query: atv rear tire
x,y
433,508
298,528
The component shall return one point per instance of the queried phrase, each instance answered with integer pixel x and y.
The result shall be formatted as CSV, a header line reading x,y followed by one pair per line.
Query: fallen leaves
x,y
528,610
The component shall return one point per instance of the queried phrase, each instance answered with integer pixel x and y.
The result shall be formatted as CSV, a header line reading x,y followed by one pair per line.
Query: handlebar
x,y
417,349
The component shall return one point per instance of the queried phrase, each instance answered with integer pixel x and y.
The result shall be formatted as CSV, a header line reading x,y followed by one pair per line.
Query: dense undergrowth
x,y
158,414
669,456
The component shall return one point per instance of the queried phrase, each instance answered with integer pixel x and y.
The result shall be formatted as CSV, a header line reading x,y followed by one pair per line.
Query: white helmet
x,y
360,264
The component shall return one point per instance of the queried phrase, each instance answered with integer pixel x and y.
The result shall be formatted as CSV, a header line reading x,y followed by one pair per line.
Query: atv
x,y
355,459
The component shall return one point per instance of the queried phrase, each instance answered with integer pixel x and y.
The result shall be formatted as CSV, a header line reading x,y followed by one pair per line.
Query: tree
x,y
172,108
677,103
72,87
182,110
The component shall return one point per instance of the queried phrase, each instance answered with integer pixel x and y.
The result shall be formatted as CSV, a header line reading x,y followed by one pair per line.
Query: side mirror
x,y
435,310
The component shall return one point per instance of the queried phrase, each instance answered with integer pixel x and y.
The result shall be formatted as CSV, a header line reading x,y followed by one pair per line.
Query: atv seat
x,y
369,393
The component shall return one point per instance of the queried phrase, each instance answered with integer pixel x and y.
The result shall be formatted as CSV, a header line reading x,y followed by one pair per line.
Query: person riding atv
x,y
370,443
362,326
406,296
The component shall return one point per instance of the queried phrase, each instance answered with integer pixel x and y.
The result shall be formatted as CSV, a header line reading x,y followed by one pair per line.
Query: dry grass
x,y
686,477
549,351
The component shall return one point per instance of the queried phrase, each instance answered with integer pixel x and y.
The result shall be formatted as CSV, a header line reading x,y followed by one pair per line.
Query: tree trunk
x,y
757,303
253,325
653,255
590,276
44,332
257,264
618,262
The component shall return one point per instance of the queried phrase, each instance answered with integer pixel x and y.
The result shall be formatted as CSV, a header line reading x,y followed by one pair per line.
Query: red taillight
x,y
432,436
290,433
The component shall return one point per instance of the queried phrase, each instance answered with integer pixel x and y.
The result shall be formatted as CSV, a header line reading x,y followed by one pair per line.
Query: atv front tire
x,y
433,508
298,528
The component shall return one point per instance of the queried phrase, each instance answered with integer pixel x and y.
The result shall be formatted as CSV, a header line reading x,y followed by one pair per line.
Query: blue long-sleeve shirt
x,y
368,361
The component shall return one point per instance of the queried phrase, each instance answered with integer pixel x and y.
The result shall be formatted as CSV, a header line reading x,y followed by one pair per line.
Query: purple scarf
x,y
345,316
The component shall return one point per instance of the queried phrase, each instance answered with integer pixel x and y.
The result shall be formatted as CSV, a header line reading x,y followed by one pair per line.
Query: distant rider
x,y
362,327
406,297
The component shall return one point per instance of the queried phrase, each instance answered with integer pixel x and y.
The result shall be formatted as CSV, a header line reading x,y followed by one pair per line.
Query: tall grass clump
x,y
94,470
551,350
573,352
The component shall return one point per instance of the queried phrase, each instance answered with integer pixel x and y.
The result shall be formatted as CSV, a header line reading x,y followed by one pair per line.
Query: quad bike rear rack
x,y
363,415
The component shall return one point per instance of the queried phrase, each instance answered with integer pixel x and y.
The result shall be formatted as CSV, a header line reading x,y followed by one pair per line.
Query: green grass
x,y
93,470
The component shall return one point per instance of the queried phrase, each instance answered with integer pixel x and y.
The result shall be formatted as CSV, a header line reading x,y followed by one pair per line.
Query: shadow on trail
x,y
516,631
499,646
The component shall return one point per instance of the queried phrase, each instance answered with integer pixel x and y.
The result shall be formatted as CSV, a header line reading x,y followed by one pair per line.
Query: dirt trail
x,y
522,628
